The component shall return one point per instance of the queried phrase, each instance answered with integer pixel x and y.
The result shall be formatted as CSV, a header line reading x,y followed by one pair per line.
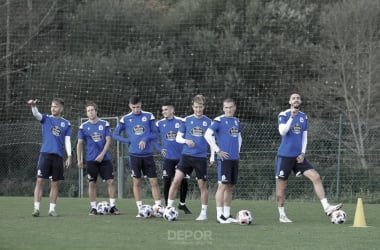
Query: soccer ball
x,y
103,208
158,211
338,217
146,211
170,214
244,217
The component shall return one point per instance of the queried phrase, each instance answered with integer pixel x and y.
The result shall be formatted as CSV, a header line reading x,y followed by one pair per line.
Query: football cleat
x,y
36,213
114,210
93,211
223,220
330,209
53,213
285,219
202,216
184,208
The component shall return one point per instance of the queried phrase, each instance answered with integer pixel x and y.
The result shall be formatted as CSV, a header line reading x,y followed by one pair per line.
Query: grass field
x,y
74,229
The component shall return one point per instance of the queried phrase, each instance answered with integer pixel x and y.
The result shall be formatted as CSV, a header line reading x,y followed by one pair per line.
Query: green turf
x,y
74,229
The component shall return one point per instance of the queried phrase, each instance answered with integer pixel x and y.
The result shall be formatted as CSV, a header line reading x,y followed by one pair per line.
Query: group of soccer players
x,y
184,143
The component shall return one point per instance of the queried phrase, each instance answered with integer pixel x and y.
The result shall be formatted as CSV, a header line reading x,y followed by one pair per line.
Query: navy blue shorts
x,y
188,163
144,165
228,171
168,168
50,166
104,169
285,165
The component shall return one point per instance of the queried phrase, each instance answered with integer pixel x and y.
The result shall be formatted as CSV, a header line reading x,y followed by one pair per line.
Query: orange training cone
x,y
359,220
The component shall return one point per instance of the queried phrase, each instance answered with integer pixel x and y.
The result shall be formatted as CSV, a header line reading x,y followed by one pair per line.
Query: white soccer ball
x,y
170,214
103,208
338,217
244,217
146,211
158,210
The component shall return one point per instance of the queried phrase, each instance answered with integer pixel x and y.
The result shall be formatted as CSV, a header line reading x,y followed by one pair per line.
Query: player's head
x,y
167,110
229,107
57,105
295,100
198,105
135,104
91,110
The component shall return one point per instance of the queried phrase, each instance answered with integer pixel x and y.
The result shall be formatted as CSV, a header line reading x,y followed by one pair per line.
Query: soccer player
x,y
227,132
140,130
56,135
96,134
293,125
171,151
194,153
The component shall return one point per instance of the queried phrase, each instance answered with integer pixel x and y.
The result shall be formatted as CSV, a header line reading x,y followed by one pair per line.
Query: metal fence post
x,y
339,150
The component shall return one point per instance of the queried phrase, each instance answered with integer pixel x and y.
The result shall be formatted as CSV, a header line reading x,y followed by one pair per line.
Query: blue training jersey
x,y
168,128
194,129
226,131
94,136
54,131
137,127
291,143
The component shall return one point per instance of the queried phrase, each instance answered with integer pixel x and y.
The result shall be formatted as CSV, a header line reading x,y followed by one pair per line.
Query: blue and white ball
x,y
338,217
146,211
244,217
170,214
103,208
158,211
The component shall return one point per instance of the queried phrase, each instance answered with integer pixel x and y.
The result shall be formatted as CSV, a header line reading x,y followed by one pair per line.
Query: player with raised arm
x,y
194,154
293,127
171,151
140,130
56,135
227,132
96,134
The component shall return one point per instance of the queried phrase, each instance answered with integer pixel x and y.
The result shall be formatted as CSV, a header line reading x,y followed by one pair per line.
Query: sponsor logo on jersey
x,y
138,130
96,136
56,131
234,131
171,135
197,131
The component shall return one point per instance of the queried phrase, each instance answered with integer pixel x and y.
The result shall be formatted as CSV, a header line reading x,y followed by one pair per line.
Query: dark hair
x,y
168,104
93,104
59,100
229,99
134,100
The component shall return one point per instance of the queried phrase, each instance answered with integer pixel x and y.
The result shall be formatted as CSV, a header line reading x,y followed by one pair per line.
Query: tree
x,y
349,59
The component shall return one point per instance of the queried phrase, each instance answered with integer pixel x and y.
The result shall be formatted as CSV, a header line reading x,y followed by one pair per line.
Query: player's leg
x,y
183,193
283,169
43,173
135,164
315,178
106,173
200,166
56,179
149,170
92,174
178,177
168,171
37,196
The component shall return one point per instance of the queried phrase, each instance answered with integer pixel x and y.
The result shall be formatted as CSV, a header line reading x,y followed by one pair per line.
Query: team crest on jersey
x,y
197,131
144,119
101,127
56,131
176,125
204,123
171,135
138,130
63,124
301,119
